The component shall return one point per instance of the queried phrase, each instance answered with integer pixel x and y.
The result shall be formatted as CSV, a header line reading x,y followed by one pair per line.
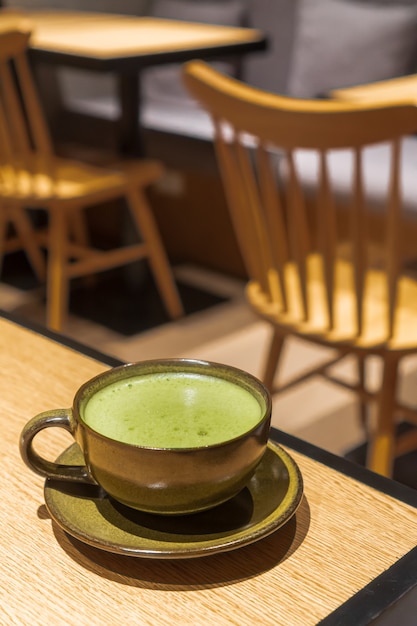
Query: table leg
x,y
130,142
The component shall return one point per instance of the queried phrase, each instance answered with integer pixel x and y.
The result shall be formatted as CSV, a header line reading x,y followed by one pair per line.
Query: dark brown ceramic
x,y
156,480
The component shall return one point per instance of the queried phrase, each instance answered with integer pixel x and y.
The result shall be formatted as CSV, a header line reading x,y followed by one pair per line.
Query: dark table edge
x,y
62,339
133,63
388,588
373,599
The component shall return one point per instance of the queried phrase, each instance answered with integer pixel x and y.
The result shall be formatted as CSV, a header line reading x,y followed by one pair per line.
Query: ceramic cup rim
x,y
112,375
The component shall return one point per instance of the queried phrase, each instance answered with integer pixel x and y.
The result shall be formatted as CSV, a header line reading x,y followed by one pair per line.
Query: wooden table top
x,y
344,535
402,89
105,38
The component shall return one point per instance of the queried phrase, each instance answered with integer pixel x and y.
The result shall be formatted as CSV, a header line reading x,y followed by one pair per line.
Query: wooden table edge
x,y
378,90
132,64
251,40
68,342
385,590
388,588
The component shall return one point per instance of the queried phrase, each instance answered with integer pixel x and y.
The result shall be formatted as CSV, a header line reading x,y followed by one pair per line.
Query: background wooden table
x,y
402,89
125,44
344,535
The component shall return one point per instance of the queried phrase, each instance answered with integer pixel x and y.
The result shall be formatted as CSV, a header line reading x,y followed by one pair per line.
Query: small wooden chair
x,y
305,278
32,177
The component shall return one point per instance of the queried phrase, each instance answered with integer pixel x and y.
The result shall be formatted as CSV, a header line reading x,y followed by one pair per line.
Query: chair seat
x,y
374,333
38,180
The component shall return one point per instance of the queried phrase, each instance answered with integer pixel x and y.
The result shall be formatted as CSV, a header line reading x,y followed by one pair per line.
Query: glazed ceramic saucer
x,y
267,503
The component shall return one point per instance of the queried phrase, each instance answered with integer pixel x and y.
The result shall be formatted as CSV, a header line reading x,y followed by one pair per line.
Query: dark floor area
x,y
124,301
130,309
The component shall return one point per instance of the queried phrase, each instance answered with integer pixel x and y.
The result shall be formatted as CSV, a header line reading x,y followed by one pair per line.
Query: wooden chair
x,y
31,177
307,281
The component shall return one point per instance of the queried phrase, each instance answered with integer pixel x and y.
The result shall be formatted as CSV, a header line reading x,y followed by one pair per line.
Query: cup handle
x,y
61,418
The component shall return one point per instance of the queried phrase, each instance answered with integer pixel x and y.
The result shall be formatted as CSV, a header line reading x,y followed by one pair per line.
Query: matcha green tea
x,y
172,410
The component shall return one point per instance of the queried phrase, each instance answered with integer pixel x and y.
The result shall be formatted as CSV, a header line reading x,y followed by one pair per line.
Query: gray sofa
x,y
314,46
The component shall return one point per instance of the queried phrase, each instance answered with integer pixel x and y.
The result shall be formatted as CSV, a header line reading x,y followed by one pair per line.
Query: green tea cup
x,y
168,436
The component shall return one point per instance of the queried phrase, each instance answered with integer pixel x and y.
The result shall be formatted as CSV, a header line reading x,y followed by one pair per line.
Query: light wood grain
x,y
402,89
103,36
344,534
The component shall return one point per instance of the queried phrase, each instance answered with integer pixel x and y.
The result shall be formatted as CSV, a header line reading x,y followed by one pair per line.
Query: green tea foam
x,y
172,410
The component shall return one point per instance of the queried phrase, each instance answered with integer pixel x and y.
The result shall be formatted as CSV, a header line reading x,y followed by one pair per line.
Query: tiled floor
x,y
228,333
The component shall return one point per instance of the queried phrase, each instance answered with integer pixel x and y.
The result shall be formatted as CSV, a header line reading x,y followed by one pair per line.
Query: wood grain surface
x,y
402,89
344,534
105,35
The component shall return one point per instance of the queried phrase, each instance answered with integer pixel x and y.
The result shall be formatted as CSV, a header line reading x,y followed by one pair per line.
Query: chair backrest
x,y
256,134
23,129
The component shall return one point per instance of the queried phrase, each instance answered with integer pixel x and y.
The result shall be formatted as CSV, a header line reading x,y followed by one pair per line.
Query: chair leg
x,y
79,233
274,353
363,404
381,445
27,236
4,219
158,259
57,279
79,228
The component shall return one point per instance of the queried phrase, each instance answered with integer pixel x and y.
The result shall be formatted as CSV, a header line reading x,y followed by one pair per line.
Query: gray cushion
x,y
225,12
341,43
277,19
376,173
